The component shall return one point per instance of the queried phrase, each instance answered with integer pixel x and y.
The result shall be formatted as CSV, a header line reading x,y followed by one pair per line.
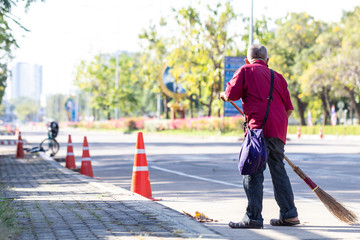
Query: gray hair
x,y
257,52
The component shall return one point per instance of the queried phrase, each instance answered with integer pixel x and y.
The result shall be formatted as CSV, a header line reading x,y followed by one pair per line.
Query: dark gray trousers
x,y
253,185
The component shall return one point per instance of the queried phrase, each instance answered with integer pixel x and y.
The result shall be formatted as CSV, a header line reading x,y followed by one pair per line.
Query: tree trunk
x,y
166,109
326,104
199,90
353,103
210,100
199,101
191,107
301,108
324,108
219,87
327,99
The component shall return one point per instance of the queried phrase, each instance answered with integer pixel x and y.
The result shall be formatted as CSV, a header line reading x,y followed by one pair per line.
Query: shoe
x,y
283,222
243,224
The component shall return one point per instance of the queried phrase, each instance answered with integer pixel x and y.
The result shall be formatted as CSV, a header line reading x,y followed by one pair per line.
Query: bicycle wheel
x,y
50,144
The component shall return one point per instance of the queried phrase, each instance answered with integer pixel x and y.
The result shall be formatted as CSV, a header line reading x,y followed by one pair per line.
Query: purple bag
x,y
253,154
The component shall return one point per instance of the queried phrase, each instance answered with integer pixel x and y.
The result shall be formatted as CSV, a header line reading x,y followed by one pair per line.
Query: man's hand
x,y
224,97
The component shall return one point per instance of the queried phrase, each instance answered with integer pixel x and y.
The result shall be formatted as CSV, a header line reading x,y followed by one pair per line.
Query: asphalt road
x,y
200,174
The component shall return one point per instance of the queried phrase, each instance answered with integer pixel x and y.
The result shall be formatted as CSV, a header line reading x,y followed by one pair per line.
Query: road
x,y
200,174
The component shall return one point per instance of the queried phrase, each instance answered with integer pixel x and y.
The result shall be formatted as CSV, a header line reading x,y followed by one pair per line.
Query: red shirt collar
x,y
261,62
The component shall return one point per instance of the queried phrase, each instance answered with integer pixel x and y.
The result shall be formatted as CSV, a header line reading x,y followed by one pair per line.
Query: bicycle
x,y
49,143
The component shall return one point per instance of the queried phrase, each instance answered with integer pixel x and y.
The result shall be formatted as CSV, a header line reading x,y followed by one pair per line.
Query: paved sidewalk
x,y
53,202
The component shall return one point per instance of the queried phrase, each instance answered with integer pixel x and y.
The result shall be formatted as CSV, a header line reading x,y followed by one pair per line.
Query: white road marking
x,y
140,169
223,183
202,178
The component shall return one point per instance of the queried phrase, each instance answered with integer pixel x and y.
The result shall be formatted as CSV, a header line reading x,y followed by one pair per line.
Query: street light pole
x,y
251,27
116,83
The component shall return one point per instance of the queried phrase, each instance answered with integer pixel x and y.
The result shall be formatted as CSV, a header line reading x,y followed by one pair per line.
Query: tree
x,y
152,61
348,59
319,80
55,107
26,109
317,64
98,78
261,32
296,33
7,40
201,50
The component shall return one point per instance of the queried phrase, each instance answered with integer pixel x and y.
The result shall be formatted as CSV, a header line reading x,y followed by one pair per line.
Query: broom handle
x,y
292,165
237,108
296,169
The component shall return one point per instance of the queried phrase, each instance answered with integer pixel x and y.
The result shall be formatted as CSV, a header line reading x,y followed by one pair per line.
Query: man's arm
x,y
288,112
233,91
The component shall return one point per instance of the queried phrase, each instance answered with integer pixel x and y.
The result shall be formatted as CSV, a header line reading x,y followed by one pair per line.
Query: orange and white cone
x,y
321,134
140,179
70,158
86,168
298,132
20,147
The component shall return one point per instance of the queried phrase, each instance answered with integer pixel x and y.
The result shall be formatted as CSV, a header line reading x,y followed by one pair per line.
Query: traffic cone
x,y
70,158
321,134
86,168
298,132
20,147
140,179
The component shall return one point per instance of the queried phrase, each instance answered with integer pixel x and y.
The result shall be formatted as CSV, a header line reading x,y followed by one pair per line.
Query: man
x,y
251,84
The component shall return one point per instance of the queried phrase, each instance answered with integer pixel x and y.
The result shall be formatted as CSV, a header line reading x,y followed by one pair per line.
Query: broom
x,y
336,208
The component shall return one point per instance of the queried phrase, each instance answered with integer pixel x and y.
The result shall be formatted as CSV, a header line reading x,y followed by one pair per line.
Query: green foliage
x,y
216,124
209,125
197,61
3,78
55,107
26,109
348,59
291,52
320,62
98,78
8,224
327,130
261,32
7,40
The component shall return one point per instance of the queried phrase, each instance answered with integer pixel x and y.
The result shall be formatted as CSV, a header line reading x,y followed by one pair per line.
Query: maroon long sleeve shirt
x,y
251,84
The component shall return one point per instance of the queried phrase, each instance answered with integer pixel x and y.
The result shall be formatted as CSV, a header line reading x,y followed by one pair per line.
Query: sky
x,y
64,32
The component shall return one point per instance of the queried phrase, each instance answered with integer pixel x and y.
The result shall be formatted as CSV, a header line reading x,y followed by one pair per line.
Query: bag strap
x,y
270,98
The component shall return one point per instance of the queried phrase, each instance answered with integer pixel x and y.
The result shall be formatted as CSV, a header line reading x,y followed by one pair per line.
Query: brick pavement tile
x,y
57,205
46,236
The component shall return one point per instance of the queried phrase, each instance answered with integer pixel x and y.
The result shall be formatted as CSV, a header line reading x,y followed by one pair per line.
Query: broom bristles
x,y
336,208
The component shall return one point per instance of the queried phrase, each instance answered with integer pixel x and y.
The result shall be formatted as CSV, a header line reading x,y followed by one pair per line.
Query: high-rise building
x,y
25,81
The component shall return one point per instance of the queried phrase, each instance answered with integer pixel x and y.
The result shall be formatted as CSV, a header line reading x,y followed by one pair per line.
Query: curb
x,y
197,229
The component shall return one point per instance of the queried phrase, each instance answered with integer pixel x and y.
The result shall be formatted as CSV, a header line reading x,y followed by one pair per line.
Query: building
x,y
25,81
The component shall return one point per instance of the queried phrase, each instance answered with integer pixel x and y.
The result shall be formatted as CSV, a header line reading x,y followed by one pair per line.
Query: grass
x,y
8,224
328,130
